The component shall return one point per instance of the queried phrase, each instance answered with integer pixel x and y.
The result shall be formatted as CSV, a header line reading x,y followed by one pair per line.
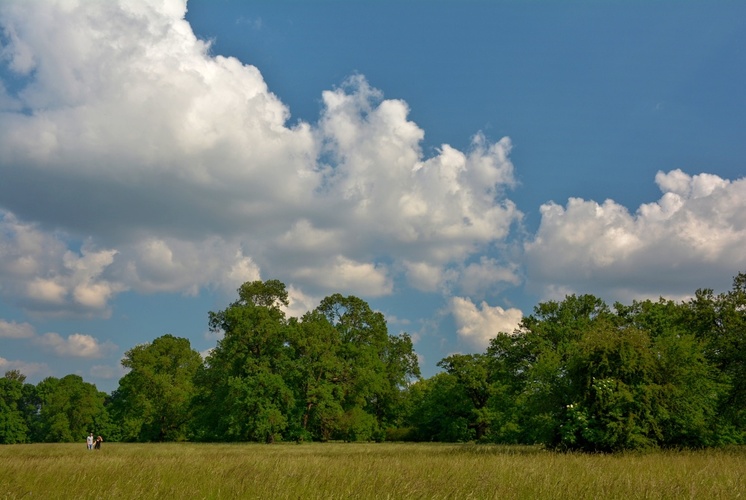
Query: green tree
x,y
720,322
593,380
545,343
440,410
375,366
153,400
13,424
68,409
471,371
335,373
610,405
401,370
509,358
689,384
317,373
691,389
243,395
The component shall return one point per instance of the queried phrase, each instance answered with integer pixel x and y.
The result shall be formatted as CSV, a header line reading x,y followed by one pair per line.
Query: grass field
x,y
342,470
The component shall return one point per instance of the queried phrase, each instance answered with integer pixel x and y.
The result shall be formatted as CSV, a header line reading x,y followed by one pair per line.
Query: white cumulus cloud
x,y
43,276
75,345
25,367
477,324
694,234
13,330
179,170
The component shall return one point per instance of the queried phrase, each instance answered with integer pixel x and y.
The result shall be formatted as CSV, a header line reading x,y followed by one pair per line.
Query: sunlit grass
x,y
343,470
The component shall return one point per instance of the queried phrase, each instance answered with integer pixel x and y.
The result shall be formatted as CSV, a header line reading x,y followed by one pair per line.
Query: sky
x,y
452,163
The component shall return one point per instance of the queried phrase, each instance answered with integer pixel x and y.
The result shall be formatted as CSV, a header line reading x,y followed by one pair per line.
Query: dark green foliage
x,y
472,375
612,390
68,409
317,376
335,373
153,400
440,410
13,422
375,367
242,394
719,322
576,375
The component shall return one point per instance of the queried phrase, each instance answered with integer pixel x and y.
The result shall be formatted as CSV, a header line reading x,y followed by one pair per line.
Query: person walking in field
x,y
89,441
99,440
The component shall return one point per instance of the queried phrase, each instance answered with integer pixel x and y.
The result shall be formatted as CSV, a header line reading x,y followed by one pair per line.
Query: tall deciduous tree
x,y
69,409
335,373
547,338
153,401
473,375
318,371
243,392
13,425
584,377
720,322
440,410
375,366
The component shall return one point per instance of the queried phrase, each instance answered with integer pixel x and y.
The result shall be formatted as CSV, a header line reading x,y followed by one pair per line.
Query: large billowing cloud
x,y
694,233
134,159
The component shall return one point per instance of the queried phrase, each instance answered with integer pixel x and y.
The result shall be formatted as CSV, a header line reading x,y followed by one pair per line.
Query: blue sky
x,y
452,163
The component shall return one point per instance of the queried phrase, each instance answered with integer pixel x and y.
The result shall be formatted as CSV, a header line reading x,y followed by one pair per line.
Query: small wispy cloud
x,y
255,23
13,330
25,367
75,345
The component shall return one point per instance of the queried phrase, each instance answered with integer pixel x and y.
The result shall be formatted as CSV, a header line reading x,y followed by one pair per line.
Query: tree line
x,y
577,374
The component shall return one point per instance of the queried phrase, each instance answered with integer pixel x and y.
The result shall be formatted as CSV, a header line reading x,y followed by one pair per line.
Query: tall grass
x,y
340,470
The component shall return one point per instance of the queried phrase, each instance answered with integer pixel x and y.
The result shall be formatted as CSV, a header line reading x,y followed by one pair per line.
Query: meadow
x,y
362,470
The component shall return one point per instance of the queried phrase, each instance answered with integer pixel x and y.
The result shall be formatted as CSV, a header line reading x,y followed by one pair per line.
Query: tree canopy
x,y
334,373
153,401
577,374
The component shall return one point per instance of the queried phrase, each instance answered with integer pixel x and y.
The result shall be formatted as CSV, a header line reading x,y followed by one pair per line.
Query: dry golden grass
x,y
340,470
